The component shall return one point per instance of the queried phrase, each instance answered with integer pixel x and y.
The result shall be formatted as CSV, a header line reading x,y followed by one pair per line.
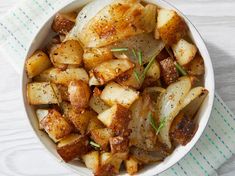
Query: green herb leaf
x,y
153,123
119,49
136,76
94,144
134,53
148,66
180,69
140,57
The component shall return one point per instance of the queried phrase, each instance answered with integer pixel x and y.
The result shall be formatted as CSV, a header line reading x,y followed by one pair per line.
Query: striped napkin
x,y
217,143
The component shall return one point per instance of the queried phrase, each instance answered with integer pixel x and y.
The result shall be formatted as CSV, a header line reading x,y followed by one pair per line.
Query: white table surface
x,y
20,152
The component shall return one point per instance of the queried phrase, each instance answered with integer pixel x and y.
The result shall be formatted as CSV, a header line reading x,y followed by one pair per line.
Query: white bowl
x,y
180,151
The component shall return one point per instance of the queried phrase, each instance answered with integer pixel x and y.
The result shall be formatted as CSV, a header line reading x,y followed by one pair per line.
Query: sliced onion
x,y
169,105
146,43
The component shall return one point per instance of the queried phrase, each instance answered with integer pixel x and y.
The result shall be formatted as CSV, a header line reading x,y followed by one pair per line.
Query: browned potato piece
x,y
94,123
102,136
37,63
106,170
55,125
73,146
63,92
114,93
41,114
149,17
196,66
171,26
131,165
79,94
184,52
168,71
82,119
58,76
116,118
182,129
92,57
119,144
63,23
68,52
43,93
111,69
92,160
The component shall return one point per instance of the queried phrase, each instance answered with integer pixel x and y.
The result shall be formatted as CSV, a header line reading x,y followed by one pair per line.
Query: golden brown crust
x,y
77,147
196,66
105,170
62,24
168,70
102,136
55,125
119,144
174,30
79,94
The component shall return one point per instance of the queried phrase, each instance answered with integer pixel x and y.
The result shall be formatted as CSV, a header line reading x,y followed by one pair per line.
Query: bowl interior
x,y
203,114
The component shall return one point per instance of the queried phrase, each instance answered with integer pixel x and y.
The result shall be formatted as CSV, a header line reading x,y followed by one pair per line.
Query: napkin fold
x,y
216,145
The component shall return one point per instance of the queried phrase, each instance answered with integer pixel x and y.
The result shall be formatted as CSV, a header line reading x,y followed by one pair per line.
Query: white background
x,y
20,152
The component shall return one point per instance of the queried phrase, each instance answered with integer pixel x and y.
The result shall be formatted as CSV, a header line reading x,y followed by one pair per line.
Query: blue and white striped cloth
x,y
217,143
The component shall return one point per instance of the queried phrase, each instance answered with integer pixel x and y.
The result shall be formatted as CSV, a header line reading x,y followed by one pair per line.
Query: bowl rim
x,y
208,109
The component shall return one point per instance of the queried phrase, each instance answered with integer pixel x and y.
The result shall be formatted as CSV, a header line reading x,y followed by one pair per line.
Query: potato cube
x,y
169,71
41,114
196,66
91,160
154,71
63,92
184,52
131,165
93,81
73,146
79,94
114,93
92,57
37,63
94,123
68,52
116,118
101,136
119,144
55,125
171,26
43,93
109,70
58,76
63,23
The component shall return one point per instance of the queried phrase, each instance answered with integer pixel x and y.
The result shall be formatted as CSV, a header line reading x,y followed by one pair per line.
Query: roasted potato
x,y
73,146
131,165
184,52
58,76
154,71
79,94
196,66
168,71
63,23
81,120
68,52
171,26
37,63
94,123
97,104
101,136
116,118
149,17
92,160
92,57
43,93
55,125
119,144
114,93
63,92
41,114
111,69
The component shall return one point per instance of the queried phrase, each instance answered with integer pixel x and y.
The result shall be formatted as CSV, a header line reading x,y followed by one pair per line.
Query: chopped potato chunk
x,y
55,125
101,136
37,63
131,165
114,93
92,160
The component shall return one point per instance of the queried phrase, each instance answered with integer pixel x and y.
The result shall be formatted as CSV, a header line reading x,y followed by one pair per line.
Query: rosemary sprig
x,y
180,69
137,76
153,123
119,49
134,53
93,144
148,67
140,57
